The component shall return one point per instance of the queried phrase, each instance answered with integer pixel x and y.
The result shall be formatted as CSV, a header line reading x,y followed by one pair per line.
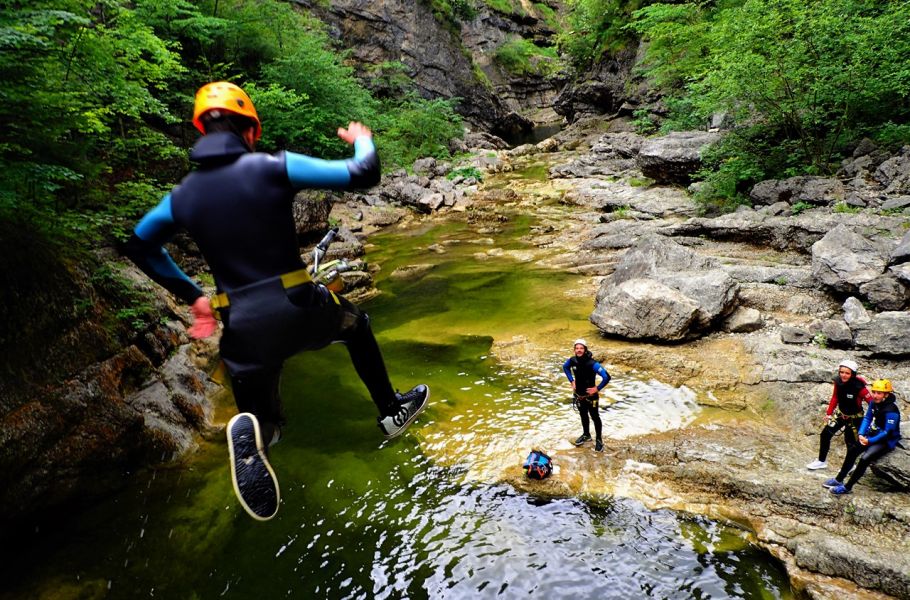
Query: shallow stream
x,y
431,515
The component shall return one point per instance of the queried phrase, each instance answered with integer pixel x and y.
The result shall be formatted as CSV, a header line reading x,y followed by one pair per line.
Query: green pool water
x,y
430,515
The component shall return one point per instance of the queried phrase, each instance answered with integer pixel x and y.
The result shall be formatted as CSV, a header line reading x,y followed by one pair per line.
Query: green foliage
x,y
844,208
811,72
465,172
892,135
549,16
643,121
507,7
594,27
413,127
521,57
800,207
820,340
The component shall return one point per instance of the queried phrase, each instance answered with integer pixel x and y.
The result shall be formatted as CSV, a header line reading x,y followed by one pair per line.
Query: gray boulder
x,y
661,290
901,254
819,191
894,468
854,312
744,320
675,157
837,333
844,260
885,292
894,173
794,335
884,334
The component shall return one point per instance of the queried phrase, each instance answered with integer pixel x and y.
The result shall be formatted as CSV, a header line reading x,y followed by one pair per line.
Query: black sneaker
x,y
254,480
598,446
582,439
412,404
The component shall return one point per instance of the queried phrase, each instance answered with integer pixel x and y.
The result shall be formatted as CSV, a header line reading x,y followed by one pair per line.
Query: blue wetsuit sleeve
x,y
567,370
867,421
891,421
603,373
362,171
146,249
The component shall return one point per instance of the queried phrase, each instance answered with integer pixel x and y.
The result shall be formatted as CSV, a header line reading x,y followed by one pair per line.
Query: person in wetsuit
x,y
879,434
582,371
237,207
845,410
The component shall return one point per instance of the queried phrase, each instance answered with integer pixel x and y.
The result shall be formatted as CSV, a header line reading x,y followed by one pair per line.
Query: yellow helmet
x,y
882,385
225,96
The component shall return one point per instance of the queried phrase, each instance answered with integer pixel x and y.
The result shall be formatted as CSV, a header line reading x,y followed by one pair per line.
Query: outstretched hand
x,y
354,131
204,323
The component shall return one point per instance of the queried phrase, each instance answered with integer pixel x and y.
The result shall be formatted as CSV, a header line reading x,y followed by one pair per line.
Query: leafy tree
x,y
810,71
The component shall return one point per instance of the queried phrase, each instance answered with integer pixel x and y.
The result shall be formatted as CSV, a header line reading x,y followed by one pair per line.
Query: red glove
x,y
204,323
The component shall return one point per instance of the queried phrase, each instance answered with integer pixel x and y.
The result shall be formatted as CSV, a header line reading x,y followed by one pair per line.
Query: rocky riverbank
x,y
752,309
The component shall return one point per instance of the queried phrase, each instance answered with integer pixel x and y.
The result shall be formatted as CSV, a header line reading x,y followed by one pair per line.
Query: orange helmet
x,y
882,385
225,96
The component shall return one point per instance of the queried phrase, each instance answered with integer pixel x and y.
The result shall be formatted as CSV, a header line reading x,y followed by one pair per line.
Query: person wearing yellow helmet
x,y
879,434
582,370
845,410
237,205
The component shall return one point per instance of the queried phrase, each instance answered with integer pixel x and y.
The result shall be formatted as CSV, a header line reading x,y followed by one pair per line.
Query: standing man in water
x,y
237,207
582,371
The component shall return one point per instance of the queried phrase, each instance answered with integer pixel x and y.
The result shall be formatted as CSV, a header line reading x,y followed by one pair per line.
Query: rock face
x,y
444,58
675,157
661,290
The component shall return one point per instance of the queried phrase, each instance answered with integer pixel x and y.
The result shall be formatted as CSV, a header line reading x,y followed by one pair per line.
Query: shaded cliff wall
x,y
447,59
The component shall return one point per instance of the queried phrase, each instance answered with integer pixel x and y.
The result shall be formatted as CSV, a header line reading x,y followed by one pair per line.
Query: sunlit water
x,y
430,515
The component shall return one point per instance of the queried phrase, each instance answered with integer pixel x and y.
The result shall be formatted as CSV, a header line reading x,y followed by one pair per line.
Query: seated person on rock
x,y
845,410
879,434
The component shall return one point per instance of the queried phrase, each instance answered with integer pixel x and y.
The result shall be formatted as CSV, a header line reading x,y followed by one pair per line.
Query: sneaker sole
x,y
403,428
580,444
254,480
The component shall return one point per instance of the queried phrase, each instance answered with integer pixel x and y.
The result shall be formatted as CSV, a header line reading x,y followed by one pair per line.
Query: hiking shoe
x,y
832,483
582,439
254,480
817,464
598,446
412,404
840,490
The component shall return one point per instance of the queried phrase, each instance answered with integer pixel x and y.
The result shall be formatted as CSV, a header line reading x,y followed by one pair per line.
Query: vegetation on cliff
x,y
803,82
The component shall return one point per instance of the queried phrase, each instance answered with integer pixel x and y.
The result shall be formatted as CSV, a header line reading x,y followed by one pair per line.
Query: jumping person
x,y
237,207
845,410
582,371
883,419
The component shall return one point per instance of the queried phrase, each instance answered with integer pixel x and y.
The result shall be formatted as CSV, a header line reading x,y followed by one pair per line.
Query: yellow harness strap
x,y
288,280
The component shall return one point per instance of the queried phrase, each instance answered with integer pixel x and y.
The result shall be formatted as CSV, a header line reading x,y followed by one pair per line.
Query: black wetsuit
x,y
848,400
237,207
583,371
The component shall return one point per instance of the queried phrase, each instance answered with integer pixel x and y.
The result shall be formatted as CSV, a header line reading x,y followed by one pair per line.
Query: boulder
x,y
885,292
894,173
844,260
743,320
661,290
894,468
794,335
645,309
884,334
901,254
675,157
854,312
837,333
819,191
